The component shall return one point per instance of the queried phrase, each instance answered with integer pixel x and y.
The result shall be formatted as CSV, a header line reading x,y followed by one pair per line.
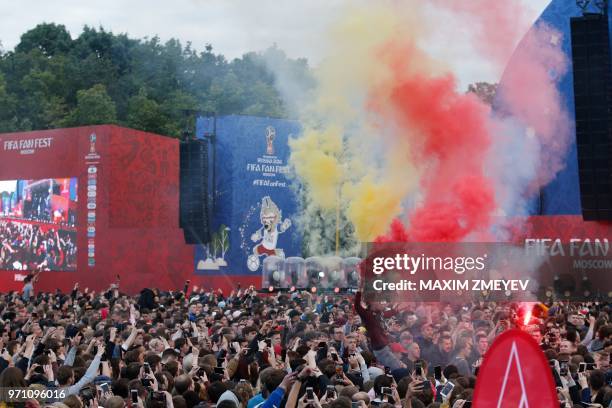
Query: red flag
x,y
515,374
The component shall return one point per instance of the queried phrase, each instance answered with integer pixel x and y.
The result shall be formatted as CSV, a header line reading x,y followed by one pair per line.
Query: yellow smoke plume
x,y
346,157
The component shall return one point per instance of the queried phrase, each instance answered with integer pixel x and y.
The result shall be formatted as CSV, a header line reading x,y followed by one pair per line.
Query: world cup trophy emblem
x,y
92,143
270,136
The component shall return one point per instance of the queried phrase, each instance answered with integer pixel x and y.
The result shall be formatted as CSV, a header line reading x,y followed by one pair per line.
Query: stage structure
x,y
253,202
562,196
87,204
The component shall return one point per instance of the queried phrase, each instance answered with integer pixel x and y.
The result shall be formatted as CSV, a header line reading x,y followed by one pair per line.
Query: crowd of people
x,y
186,348
27,246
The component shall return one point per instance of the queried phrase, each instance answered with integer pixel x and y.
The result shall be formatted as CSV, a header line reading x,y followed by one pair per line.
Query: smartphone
x,y
582,367
201,372
418,369
331,391
339,370
269,342
387,371
146,382
334,356
563,369
309,394
134,394
220,362
147,368
438,373
447,389
219,370
105,387
355,404
467,404
386,391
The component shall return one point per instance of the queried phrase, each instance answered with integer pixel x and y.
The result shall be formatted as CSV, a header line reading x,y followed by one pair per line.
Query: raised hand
x,y
76,340
101,349
414,388
48,369
288,381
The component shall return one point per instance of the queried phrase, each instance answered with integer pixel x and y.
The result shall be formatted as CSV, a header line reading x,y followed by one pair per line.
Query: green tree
x,y
94,107
145,114
484,91
50,39
101,77
8,103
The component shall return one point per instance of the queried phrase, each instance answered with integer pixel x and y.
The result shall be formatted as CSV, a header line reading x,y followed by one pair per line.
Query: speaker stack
x,y
592,92
194,216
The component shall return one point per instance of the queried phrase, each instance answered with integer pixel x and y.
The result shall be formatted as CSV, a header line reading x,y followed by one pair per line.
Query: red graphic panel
x,y
127,206
144,180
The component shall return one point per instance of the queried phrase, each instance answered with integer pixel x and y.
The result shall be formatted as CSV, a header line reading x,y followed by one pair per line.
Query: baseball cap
x,y
397,348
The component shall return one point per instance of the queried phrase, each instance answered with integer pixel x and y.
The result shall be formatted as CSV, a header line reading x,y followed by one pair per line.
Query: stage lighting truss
x,y
602,5
583,4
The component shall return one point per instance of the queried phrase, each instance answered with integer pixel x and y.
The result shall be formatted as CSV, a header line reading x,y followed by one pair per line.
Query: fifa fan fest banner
x,y
254,202
79,203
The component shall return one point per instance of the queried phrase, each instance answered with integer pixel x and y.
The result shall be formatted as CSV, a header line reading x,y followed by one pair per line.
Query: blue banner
x,y
562,195
254,205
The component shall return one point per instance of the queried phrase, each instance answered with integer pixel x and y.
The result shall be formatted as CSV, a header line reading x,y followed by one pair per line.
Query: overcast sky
x,y
233,27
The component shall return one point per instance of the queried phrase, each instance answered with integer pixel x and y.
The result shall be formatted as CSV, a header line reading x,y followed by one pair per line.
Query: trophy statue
x,y
270,136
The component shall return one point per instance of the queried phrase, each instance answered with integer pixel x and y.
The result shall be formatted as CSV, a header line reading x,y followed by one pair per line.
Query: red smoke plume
x,y
449,138
529,93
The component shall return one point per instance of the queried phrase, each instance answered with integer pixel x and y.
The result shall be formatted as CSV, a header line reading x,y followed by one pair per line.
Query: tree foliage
x,y
52,80
94,107
484,91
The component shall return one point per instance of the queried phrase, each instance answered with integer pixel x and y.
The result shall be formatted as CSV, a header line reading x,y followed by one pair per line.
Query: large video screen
x,y
38,224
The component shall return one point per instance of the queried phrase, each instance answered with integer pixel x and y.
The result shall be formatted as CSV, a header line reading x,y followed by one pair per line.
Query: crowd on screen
x,y
26,246
191,348
39,208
